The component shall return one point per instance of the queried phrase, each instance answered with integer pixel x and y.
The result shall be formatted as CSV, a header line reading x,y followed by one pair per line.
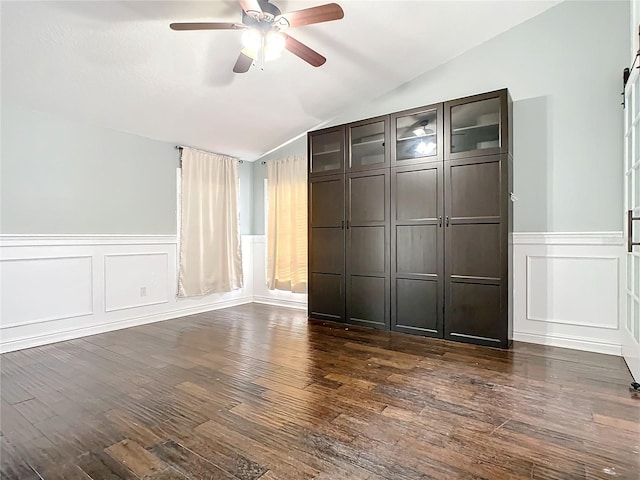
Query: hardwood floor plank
x,y
261,392
14,465
34,410
188,462
100,465
136,458
12,392
131,428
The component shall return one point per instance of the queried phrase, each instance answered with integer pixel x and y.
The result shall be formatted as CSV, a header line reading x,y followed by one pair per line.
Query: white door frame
x,y
629,329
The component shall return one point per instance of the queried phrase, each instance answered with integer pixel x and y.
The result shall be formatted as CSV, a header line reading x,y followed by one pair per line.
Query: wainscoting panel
x,y
43,289
573,290
56,288
134,280
567,289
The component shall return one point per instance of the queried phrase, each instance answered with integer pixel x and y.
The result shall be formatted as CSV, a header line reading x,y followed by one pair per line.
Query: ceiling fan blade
x,y
308,16
252,8
243,63
301,50
206,26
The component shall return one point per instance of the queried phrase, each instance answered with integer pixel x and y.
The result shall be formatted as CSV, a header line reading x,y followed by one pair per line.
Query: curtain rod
x,y
180,147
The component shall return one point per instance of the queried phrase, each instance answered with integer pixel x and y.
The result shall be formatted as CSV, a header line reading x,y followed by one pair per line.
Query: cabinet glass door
x,y
475,126
367,145
416,136
327,152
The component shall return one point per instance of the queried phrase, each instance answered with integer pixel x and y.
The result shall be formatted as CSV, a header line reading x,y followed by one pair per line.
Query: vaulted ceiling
x,y
118,65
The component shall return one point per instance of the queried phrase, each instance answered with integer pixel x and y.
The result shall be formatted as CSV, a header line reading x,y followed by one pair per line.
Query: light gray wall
x,y
245,172
59,176
563,69
63,177
297,147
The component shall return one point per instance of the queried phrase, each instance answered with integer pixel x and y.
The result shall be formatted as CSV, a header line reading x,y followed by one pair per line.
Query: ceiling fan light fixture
x,y
252,40
273,46
275,42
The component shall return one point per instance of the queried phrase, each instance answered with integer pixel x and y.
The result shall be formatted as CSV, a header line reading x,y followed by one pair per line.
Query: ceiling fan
x,y
263,37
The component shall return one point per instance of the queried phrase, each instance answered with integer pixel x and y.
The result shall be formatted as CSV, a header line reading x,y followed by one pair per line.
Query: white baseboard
x,y
278,302
586,344
60,336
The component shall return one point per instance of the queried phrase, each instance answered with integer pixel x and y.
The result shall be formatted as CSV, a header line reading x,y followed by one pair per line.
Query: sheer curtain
x,y
287,227
210,254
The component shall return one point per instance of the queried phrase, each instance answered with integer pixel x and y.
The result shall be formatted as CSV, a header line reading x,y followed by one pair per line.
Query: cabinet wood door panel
x,y
475,250
417,261
416,249
367,303
475,313
476,246
475,189
367,202
326,297
326,201
326,254
417,194
326,247
367,252
417,306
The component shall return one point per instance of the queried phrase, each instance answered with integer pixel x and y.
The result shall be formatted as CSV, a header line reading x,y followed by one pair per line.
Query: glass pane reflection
x,y
416,135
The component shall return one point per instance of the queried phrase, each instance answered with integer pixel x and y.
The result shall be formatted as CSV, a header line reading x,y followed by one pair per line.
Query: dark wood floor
x,y
258,392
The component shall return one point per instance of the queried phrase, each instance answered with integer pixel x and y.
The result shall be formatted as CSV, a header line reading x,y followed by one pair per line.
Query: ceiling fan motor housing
x,y
269,10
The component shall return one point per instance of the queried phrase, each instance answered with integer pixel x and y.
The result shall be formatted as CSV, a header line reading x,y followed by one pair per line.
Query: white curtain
x,y
210,254
287,227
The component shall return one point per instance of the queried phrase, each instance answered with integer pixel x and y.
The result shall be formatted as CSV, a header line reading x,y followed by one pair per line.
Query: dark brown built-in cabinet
x,y
409,221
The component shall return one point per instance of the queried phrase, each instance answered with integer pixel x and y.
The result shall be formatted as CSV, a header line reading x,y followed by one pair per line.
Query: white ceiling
x,y
118,65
